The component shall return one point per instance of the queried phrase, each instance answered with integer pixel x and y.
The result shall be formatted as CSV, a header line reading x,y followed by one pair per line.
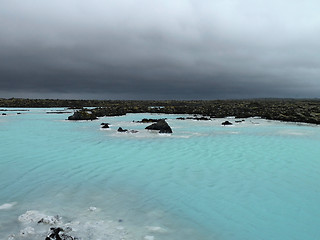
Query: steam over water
x,y
254,180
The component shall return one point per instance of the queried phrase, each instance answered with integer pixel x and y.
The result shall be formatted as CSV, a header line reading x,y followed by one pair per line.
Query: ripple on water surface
x,y
254,180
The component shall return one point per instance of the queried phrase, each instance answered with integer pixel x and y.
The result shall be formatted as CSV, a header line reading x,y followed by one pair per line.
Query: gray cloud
x,y
159,49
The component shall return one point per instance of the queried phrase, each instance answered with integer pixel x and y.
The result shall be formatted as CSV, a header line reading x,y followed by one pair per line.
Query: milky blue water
x,y
254,180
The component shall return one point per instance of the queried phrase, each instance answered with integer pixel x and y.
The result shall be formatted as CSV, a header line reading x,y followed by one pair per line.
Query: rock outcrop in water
x,y
226,123
83,115
160,125
202,118
55,112
148,120
60,234
104,125
120,129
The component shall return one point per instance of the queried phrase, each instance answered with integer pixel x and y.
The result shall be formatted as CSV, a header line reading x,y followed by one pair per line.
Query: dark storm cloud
x,y
159,49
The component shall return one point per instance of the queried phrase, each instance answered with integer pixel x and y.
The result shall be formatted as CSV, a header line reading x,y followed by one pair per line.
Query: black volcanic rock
x,y
54,234
195,118
120,129
226,123
57,112
133,131
199,118
82,115
59,234
291,110
148,120
160,125
104,125
202,118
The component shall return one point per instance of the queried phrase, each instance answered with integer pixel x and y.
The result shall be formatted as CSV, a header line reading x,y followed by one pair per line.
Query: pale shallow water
x,y
254,180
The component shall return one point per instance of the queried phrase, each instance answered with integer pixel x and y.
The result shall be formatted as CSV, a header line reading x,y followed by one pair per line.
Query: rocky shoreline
x,y
290,110
37,225
87,224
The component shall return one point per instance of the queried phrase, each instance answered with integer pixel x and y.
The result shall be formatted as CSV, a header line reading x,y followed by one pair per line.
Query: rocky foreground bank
x,y
291,110
36,225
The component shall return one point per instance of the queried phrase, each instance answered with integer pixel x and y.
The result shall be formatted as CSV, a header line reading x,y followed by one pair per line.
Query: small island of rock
x,y
83,114
160,125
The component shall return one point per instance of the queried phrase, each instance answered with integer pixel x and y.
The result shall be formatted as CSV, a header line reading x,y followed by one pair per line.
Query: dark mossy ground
x,y
292,110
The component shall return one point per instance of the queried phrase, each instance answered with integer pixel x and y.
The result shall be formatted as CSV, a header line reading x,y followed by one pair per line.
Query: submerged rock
x,y
11,237
120,129
156,229
92,209
160,125
37,217
31,216
27,231
226,123
50,220
75,228
148,237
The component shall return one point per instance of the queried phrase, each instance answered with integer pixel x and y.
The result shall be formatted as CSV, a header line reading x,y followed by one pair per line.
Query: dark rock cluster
x,y
120,129
203,118
291,110
226,123
59,234
104,125
83,115
148,120
160,125
58,112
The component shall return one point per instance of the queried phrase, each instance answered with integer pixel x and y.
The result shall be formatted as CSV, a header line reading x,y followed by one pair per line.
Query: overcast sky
x,y
159,49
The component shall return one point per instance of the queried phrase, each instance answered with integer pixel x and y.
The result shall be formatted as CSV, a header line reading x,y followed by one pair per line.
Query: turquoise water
x,y
254,180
